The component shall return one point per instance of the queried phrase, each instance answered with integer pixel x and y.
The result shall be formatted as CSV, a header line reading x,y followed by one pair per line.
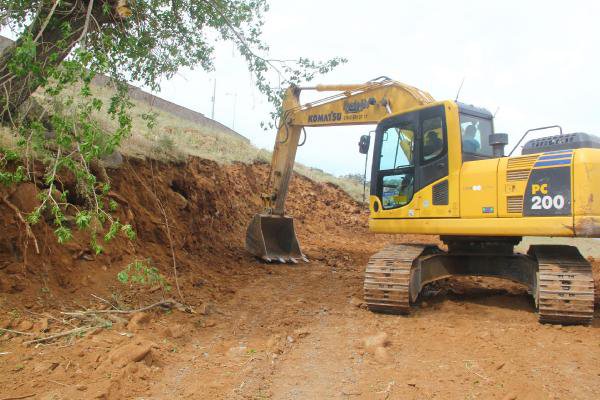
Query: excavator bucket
x,y
273,238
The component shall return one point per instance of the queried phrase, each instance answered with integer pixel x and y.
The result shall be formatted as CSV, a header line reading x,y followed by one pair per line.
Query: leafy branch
x,y
48,100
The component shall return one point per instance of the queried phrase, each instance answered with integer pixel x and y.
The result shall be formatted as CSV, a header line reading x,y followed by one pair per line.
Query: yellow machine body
x,y
487,197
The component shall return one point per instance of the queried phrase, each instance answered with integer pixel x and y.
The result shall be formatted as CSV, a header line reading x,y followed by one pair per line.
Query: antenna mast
x,y
459,89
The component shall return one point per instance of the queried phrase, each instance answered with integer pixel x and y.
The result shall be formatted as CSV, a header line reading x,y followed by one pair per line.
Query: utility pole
x,y
234,107
214,97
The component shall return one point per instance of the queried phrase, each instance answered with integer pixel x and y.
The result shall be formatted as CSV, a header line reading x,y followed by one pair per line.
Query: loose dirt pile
x,y
248,330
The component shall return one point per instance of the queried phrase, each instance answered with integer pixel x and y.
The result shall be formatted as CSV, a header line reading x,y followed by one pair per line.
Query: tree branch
x,y
146,308
86,24
45,24
239,36
26,396
16,332
62,334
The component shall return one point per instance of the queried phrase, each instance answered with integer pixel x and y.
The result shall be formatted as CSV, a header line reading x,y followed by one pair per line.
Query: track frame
x,y
558,277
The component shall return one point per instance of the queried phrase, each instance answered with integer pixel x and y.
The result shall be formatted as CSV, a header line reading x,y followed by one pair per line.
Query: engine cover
x,y
568,141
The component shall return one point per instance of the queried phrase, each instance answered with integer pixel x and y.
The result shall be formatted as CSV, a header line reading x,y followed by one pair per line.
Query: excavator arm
x,y
271,234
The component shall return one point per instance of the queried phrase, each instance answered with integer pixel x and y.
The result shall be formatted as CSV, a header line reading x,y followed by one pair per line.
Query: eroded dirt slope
x,y
261,331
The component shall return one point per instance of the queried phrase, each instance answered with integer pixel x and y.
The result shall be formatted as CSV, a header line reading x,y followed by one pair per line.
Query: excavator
x,y
439,169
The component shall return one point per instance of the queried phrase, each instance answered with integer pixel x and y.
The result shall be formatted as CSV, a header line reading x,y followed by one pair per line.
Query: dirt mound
x,y
199,208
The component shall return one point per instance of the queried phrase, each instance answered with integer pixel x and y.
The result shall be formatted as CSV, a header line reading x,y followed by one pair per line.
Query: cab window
x,y
397,190
475,133
432,139
397,146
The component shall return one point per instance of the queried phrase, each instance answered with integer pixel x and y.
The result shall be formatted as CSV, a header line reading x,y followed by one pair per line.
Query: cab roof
x,y
474,111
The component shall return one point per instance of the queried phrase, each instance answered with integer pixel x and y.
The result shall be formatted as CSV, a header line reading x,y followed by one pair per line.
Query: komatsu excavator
x,y
439,169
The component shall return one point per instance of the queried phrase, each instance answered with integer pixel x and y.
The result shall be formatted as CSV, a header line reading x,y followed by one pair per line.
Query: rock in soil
x,y
137,321
132,352
378,340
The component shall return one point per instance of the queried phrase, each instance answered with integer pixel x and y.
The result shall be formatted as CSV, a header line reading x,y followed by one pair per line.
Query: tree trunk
x,y
16,90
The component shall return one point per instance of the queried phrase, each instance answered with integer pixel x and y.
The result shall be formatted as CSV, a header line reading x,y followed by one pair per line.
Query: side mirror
x,y
364,144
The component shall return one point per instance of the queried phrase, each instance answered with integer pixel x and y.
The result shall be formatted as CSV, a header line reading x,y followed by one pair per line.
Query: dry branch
x,y
169,303
61,334
16,332
104,301
45,24
18,397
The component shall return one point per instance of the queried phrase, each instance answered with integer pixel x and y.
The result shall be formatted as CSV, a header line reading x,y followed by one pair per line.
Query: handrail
x,y
531,130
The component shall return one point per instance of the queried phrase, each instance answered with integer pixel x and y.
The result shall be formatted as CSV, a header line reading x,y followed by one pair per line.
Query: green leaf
x,y
83,219
123,276
63,234
129,232
94,244
34,217
113,231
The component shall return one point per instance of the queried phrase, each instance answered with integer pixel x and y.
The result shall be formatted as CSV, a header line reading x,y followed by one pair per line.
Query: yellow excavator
x,y
439,169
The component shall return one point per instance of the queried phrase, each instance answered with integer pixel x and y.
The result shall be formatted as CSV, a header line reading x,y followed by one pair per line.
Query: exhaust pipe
x,y
273,238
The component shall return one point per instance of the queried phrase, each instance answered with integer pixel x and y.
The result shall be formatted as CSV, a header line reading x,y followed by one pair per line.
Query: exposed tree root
x,y
28,230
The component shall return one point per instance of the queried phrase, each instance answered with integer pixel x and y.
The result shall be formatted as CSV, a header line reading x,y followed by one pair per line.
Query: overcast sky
x,y
536,62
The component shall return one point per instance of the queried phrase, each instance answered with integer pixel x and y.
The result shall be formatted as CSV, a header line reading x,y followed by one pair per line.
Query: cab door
x,y
431,181
393,172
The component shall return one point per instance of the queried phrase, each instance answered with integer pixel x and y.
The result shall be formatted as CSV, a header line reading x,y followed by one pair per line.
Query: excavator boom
x,y
271,234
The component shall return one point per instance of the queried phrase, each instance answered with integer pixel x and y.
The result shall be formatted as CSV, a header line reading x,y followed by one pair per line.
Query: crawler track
x,y
387,279
565,292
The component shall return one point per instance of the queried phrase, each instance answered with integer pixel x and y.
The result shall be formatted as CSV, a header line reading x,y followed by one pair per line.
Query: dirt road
x,y
315,344
298,333
288,331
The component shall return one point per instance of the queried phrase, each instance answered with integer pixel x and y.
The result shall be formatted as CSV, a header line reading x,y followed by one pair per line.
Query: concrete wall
x,y
4,42
159,103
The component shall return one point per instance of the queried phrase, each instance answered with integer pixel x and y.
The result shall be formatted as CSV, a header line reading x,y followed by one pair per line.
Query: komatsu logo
x,y
332,116
358,105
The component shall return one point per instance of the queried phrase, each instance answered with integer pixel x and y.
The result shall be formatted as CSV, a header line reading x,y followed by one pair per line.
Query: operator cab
x,y
412,150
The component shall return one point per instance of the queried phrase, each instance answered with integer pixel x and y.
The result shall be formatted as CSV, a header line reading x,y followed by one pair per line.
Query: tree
x,y
141,40
66,42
